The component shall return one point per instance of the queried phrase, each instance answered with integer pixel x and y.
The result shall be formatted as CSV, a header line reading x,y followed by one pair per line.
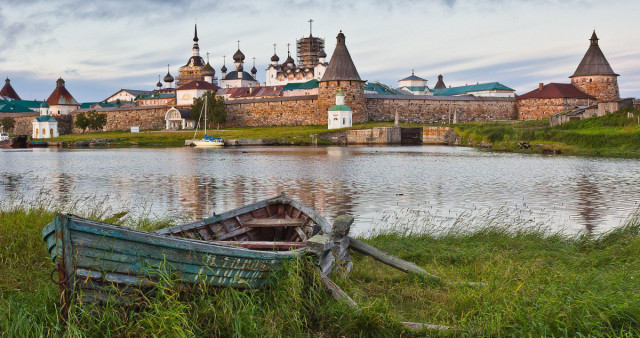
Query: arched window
x,y
44,131
51,132
344,120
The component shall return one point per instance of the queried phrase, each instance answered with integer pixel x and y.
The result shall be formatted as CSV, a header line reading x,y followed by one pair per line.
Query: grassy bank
x,y
163,138
538,284
613,135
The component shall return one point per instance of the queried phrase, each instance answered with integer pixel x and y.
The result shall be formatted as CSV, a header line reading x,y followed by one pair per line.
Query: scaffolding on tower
x,y
308,49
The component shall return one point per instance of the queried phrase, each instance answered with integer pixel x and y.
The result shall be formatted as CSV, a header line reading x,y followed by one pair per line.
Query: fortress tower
x,y
594,75
341,74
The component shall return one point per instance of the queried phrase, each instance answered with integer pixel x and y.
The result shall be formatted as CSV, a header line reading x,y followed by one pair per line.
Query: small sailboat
x,y
206,140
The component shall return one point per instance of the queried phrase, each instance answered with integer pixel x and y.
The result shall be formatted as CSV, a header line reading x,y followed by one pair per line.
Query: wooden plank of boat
x,y
265,244
273,222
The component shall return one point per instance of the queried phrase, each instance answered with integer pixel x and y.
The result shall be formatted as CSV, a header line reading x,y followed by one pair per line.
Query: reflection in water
x,y
574,193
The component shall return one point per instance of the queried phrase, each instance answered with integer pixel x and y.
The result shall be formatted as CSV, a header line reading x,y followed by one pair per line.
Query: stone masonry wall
x,y
414,110
531,109
603,87
22,125
147,118
354,98
275,112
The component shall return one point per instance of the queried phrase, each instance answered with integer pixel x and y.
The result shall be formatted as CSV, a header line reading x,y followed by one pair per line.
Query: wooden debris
x,y
336,292
264,244
389,259
422,326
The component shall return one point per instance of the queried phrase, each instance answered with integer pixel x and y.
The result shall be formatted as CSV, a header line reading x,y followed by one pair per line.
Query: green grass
x,y
285,134
614,135
539,284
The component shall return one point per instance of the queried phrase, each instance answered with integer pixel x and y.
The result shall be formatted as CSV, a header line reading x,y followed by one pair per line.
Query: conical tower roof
x,y
8,91
60,95
341,65
440,84
594,62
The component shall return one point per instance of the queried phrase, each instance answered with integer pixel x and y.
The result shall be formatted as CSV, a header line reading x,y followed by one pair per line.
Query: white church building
x,y
339,115
44,126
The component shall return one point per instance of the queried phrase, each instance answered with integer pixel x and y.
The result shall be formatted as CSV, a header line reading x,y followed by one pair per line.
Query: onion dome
x,y
223,69
254,70
322,54
207,70
159,84
275,58
44,104
168,78
238,56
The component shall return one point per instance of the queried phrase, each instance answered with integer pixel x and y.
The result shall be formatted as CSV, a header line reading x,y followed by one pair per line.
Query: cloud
x,y
118,43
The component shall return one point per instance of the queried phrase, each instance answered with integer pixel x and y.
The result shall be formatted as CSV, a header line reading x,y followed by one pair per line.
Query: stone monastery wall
x,y
281,111
149,117
531,109
431,109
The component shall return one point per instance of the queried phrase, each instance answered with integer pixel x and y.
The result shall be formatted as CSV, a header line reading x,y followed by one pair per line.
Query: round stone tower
x,y
341,74
594,75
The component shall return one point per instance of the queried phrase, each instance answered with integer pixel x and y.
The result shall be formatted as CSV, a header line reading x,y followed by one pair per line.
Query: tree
x,y
81,121
91,120
7,124
96,120
216,109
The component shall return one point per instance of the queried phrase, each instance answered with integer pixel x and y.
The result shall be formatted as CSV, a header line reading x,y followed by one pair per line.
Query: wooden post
x,y
387,258
340,250
336,292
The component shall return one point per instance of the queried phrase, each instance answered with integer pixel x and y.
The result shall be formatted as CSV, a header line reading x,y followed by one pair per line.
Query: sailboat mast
x,y
205,115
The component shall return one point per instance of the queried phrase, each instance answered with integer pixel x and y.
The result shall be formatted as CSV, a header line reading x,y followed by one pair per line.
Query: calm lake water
x,y
429,186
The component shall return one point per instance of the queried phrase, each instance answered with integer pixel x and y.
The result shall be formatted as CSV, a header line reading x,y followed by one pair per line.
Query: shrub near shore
x,y
538,284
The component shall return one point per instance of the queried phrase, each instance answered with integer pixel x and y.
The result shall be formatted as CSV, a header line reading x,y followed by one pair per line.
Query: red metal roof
x,y
248,92
8,91
198,84
61,95
556,91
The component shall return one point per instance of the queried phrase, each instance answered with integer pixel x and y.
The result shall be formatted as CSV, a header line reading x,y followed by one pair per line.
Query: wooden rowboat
x,y
240,248
278,223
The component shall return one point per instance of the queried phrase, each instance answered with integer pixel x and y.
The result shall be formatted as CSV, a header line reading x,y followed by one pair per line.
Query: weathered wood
x,y
388,259
336,292
234,233
273,222
423,326
264,244
301,234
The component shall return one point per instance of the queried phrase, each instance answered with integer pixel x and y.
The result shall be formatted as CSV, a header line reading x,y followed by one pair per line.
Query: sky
x,y
99,47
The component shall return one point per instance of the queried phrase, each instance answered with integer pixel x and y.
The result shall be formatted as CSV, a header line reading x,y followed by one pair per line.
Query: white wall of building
x,y
122,96
490,93
62,109
44,129
339,119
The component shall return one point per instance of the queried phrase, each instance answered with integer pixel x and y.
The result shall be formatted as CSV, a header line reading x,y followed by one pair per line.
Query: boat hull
x,y
95,257
207,143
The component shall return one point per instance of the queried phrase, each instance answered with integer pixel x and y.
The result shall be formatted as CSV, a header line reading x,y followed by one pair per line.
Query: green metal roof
x,y
471,88
416,88
340,107
14,107
340,93
31,104
87,105
301,85
45,118
380,89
